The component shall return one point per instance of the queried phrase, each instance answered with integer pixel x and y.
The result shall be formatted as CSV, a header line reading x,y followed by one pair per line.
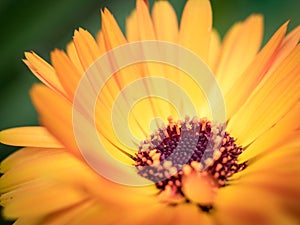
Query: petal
x,y
275,137
29,136
67,72
86,47
112,34
288,44
269,102
26,200
165,21
71,51
214,50
240,46
101,42
195,27
132,33
58,122
43,71
254,73
145,25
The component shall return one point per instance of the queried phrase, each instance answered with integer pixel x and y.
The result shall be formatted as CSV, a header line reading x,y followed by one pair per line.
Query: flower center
x,y
198,145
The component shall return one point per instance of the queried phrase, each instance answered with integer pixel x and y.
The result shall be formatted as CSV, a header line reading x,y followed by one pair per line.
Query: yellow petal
x,y
214,50
240,46
254,73
165,21
276,136
269,102
195,27
26,200
42,70
29,136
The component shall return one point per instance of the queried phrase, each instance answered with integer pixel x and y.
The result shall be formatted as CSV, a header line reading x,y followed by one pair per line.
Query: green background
x,y
44,25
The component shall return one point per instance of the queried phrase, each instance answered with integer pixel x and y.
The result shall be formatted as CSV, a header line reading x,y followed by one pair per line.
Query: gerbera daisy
x,y
193,169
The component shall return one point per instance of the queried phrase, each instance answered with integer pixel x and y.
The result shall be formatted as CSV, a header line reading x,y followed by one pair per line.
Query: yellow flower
x,y
250,176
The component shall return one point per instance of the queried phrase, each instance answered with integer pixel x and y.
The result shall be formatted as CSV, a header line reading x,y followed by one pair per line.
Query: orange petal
x,y
29,136
195,27
112,33
67,72
145,26
101,43
270,101
254,73
86,47
71,51
42,70
288,44
132,33
56,114
241,45
165,21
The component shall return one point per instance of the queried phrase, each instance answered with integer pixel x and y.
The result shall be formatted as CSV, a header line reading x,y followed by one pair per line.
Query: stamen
x,y
184,146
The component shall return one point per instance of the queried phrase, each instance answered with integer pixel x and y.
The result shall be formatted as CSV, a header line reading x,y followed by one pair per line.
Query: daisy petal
x,y
86,47
214,50
29,136
132,33
26,200
71,51
269,102
43,71
195,27
58,122
240,46
254,73
64,66
145,25
274,137
165,21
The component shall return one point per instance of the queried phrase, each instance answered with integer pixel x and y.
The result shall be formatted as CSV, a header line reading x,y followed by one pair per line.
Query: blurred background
x,y
42,25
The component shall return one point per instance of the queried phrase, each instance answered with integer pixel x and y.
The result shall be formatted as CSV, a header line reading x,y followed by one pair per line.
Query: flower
x,y
251,178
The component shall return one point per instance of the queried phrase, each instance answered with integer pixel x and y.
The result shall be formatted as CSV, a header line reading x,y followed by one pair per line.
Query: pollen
x,y
175,150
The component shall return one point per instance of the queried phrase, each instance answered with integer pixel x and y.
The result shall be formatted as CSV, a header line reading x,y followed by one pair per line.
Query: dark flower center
x,y
198,144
